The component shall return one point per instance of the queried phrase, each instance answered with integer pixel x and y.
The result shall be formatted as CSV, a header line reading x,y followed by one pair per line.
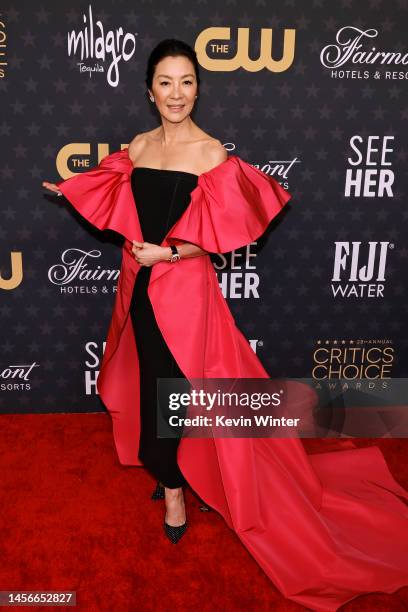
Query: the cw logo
x,y
16,272
78,148
241,58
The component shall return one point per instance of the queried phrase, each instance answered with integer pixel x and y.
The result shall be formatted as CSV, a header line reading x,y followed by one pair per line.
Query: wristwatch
x,y
175,255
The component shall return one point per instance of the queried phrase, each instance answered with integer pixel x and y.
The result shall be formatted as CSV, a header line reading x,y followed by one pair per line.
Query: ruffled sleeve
x,y
231,207
103,195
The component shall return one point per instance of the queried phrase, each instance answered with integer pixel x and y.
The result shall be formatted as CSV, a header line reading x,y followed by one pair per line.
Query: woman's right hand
x,y
52,187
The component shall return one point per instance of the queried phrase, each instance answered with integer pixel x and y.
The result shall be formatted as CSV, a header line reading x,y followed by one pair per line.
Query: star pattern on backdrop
x,y
301,113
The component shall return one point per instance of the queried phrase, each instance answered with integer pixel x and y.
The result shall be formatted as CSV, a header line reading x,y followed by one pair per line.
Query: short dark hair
x,y
170,47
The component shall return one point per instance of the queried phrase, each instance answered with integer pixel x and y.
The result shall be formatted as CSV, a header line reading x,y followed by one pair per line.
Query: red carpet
x,y
66,525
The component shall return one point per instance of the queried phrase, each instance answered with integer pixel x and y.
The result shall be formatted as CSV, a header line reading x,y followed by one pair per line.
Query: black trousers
x,y
158,455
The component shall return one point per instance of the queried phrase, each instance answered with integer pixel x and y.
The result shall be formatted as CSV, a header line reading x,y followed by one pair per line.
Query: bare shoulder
x,y
139,142
214,153
135,146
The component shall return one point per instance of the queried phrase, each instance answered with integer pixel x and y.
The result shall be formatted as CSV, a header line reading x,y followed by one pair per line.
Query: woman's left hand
x,y
147,254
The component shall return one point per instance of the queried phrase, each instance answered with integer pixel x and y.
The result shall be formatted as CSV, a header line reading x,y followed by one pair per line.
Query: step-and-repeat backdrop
x,y
312,93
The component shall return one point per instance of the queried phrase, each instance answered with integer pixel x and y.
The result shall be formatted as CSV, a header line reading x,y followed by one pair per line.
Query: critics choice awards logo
x,y
353,360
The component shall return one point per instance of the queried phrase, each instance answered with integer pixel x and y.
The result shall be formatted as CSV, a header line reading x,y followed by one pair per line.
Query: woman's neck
x,y
173,133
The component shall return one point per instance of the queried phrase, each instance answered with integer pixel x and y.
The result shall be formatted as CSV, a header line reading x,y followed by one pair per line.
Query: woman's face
x,y
174,88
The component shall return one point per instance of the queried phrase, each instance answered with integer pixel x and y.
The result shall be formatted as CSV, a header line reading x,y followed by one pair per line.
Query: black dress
x,y
161,197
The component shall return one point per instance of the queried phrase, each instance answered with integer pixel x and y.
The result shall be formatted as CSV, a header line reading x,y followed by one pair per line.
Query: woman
x,y
163,193
310,522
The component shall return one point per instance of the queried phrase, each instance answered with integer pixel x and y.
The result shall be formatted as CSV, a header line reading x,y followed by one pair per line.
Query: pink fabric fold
x,y
231,207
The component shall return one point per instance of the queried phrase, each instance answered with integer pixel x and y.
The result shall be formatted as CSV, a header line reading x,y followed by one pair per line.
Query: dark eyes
x,y
166,82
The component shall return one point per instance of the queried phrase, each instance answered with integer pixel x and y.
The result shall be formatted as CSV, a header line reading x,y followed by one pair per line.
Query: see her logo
x,y
370,175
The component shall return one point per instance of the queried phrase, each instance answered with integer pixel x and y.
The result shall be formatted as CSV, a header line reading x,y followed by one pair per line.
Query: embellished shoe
x,y
158,493
174,533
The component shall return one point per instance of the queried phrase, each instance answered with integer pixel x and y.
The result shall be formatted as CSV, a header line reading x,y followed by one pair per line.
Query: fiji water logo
x,y
93,43
360,271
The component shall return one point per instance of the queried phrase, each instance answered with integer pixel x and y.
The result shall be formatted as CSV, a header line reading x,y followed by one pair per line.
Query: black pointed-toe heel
x,y
158,493
174,533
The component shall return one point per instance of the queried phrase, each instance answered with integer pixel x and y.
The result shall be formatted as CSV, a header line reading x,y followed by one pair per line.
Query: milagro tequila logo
x,y
75,266
357,273
353,46
16,376
112,45
370,174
